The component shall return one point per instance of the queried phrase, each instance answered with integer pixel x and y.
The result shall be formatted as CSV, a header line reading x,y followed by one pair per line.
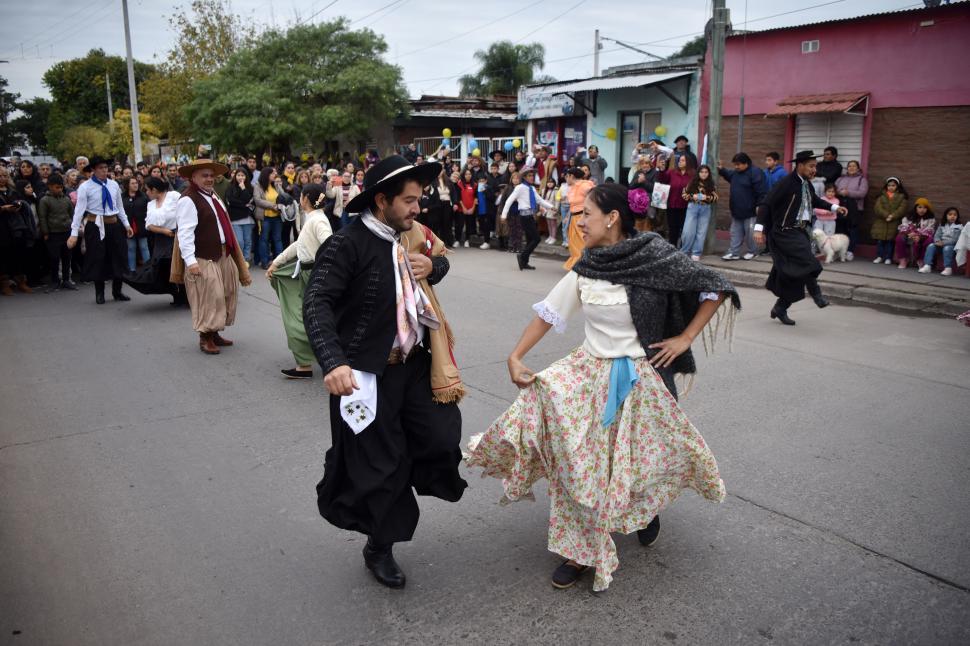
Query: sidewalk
x,y
859,281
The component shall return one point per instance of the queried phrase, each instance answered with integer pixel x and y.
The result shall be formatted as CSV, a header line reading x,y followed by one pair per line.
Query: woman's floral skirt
x,y
601,480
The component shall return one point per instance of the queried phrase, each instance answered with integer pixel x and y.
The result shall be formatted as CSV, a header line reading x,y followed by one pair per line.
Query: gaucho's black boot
x,y
820,300
379,559
780,312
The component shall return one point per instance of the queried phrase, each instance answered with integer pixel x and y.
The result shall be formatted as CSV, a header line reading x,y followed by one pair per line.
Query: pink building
x,y
890,90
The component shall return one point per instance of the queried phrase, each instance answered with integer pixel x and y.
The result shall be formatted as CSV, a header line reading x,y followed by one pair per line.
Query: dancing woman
x,y
603,425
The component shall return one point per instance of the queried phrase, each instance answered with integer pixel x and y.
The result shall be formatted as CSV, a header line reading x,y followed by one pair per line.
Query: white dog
x,y
831,245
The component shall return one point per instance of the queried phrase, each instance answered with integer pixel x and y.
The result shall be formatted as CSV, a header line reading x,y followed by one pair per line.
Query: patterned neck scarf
x,y
414,310
806,208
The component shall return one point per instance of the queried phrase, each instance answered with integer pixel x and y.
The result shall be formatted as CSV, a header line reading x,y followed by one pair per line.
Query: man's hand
x,y
72,242
340,381
195,270
130,232
759,237
842,211
421,265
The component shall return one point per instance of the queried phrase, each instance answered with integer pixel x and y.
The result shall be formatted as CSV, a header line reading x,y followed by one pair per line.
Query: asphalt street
x,y
153,495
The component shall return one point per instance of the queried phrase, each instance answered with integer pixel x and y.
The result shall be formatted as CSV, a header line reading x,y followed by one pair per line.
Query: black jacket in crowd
x,y
349,307
136,208
830,170
779,210
239,200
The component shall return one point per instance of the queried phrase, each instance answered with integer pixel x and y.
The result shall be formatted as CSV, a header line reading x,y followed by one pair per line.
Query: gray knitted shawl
x,y
663,286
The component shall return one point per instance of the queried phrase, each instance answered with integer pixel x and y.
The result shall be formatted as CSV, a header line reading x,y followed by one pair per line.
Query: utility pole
x,y
719,25
596,52
107,89
132,88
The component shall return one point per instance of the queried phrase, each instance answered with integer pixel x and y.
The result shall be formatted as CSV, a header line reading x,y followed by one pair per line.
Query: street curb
x,y
899,299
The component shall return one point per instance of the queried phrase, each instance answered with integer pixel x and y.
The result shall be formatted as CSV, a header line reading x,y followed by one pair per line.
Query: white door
x,y
844,131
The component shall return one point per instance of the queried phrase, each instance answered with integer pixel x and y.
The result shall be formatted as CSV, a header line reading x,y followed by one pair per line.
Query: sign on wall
x,y
539,103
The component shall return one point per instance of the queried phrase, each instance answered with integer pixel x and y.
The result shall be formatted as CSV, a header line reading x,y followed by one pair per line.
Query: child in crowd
x,y
915,233
54,214
890,208
700,194
825,218
552,215
945,238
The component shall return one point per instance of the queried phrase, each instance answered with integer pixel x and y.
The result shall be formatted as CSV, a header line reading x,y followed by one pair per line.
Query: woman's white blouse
x,y
609,326
164,215
610,332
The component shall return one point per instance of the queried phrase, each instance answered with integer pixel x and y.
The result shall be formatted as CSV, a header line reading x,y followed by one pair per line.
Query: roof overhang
x,y
617,82
856,103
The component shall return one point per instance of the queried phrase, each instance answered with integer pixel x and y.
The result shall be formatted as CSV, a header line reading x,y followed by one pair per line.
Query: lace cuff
x,y
707,296
545,311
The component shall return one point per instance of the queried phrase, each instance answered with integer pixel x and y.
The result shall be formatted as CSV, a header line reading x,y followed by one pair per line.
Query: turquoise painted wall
x,y
610,103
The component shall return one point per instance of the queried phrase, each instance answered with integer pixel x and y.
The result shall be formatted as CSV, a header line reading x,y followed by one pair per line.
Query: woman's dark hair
x,y
741,158
947,212
313,193
576,172
899,185
156,184
264,177
613,197
127,183
696,183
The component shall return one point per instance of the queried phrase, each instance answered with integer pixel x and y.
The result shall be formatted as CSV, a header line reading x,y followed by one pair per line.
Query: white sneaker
x,y
550,241
695,258
947,272
888,261
925,269
748,256
565,244
877,261
484,245
849,256
455,244
730,256
466,244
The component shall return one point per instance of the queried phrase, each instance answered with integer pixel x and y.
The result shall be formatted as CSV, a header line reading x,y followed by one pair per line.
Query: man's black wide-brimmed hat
x,y
387,170
94,162
803,156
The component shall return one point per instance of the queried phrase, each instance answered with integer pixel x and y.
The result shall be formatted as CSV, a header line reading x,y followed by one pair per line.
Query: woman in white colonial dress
x,y
603,425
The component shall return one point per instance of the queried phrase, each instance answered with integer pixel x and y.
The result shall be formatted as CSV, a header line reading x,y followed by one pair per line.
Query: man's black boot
x,y
379,559
780,312
99,292
820,300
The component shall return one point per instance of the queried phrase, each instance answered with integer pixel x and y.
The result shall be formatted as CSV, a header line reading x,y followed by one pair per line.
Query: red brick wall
x,y
928,149
761,136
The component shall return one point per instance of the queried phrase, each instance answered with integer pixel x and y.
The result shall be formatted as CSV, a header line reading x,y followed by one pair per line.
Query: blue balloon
x,y
446,142
472,144
508,146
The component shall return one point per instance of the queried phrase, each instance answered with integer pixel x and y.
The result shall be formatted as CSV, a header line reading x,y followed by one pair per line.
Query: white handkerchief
x,y
360,408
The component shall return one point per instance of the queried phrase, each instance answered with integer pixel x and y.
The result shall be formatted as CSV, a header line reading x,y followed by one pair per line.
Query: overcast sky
x,y
433,41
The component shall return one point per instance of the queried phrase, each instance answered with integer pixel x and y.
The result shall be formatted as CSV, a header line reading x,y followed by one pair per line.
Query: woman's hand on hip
x,y
670,349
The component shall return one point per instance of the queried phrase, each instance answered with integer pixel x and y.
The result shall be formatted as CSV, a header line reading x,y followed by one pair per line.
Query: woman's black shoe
x,y
648,535
522,264
293,373
528,266
380,561
120,297
99,299
567,574
781,315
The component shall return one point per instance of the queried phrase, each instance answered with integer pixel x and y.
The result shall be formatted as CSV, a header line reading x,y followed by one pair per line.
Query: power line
x,y
45,38
470,31
316,13
389,4
549,22
386,14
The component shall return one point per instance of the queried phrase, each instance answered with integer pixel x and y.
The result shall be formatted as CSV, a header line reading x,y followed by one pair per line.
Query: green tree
x,y
32,123
504,67
694,47
77,88
84,140
205,36
121,141
9,136
307,84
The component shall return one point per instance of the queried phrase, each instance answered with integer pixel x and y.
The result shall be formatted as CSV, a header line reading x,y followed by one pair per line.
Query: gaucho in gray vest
x,y
208,258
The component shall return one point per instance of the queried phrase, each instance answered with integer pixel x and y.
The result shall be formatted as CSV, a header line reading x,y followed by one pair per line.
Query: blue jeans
x,y
884,249
141,245
271,239
742,232
564,211
244,236
695,228
947,255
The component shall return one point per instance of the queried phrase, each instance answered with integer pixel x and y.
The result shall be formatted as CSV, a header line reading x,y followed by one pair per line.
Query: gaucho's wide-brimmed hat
x,y
387,170
200,164
96,161
803,156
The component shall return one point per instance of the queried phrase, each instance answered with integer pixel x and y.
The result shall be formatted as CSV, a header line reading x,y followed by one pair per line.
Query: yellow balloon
x,y
660,131
517,143
266,158
611,134
476,153
446,132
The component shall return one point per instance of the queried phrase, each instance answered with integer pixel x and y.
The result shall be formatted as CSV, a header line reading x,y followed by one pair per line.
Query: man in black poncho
x,y
785,217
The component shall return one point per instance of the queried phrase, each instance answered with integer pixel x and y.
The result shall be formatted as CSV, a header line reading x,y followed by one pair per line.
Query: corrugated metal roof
x,y
811,103
740,34
465,114
616,82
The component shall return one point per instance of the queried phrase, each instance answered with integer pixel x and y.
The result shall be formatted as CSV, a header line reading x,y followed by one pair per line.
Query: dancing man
x,y
786,216
380,336
208,260
100,210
